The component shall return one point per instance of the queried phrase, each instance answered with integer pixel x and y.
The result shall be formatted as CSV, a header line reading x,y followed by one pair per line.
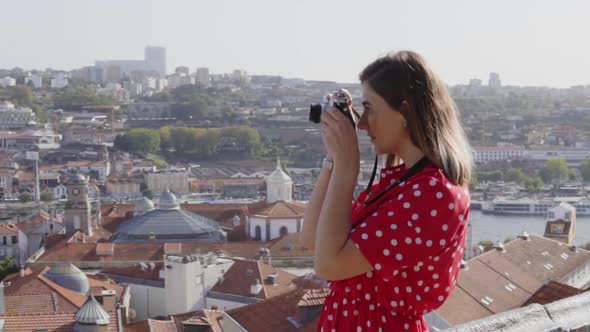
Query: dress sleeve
x,y
420,220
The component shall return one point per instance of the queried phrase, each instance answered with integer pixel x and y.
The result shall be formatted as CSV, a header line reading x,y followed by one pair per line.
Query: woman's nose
x,y
362,124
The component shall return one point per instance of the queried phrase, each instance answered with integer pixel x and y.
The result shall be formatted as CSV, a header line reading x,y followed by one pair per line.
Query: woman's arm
x,y
312,211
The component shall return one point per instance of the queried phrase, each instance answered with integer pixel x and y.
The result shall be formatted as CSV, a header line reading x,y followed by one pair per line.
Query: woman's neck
x,y
411,155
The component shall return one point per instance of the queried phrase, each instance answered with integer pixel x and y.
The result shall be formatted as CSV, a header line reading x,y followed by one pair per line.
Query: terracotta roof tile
x,y
136,272
276,312
55,322
313,297
280,209
500,280
551,292
243,274
289,246
8,229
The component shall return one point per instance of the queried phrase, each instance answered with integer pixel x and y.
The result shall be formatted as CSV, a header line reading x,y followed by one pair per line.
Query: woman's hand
x,y
340,140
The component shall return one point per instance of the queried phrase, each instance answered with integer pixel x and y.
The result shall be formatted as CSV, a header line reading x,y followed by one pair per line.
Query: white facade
x,y
189,280
147,301
7,81
570,155
202,75
15,118
277,227
175,181
486,154
279,186
36,80
59,82
60,192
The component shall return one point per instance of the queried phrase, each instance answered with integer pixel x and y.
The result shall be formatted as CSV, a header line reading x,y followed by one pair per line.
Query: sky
x,y
528,42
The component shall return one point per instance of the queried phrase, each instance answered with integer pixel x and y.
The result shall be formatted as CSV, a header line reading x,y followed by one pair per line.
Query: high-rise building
x,y
494,81
155,59
203,75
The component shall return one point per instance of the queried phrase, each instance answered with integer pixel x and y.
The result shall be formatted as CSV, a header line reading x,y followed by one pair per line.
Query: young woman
x,y
395,253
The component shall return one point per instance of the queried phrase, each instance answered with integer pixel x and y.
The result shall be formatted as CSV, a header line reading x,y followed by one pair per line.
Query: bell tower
x,y
77,212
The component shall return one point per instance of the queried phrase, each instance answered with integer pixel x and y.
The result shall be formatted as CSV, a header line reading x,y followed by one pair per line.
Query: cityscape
x,y
137,197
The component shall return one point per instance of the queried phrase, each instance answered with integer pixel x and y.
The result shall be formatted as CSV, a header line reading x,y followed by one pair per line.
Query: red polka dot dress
x,y
414,240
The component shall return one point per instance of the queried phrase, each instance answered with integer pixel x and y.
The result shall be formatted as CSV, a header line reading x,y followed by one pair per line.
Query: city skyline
x,y
528,43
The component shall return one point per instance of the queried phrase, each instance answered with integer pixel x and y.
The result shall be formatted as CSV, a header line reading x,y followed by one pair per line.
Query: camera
x,y
339,99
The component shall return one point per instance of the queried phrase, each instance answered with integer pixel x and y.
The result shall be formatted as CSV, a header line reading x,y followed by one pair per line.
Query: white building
x,y
175,180
484,154
60,192
202,75
36,80
15,118
7,81
573,157
280,215
59,82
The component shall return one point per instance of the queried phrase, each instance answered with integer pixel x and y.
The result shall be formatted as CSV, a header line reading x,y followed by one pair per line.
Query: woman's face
x,y
383,124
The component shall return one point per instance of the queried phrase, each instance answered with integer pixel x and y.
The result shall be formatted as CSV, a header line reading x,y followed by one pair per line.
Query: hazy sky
x,y
529,42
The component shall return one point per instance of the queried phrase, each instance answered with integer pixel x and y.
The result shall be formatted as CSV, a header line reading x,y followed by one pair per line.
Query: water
x,y
499,227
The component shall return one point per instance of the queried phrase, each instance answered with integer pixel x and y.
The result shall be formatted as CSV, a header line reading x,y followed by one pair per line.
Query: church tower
x,y
77,212
279,186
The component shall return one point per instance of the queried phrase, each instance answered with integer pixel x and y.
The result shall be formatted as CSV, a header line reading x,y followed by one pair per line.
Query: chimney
x,y
269,261
525,236
573,248
2,306
256,287
273,279
109,300
22,271
500,247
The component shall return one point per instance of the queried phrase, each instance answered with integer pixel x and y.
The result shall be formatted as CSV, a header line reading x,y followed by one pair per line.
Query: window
x,y
557,228
14,240
4,240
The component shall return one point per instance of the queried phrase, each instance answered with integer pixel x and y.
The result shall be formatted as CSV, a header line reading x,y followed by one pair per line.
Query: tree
x,y
47,196
41,114
143,140
22,94
554,169
585,170
183,139
194,109
573,174
8,266
534,184
25,197
474,182
515,175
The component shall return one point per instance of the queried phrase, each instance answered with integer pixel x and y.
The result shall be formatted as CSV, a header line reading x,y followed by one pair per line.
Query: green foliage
x,y
554,169
41,114
486,244
515,175
490,176
194,109
74,97
47,196
25,197
534,184
141,141
474,181
585,170
573,174
7,267
22,95
158,161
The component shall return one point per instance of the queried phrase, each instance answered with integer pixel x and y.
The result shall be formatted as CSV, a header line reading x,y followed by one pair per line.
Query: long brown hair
x,y
432,115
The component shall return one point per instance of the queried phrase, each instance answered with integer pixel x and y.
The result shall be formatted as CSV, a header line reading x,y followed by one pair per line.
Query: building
x,y
573,157
280,215
149,110
60,81
7,81
561,223
35,80
62,298
123,187
506,277
202,75
29,140
201,320
12,243
167,222
174,180
485,154
15,118
77,211
155,59
494,81
249,281
180,284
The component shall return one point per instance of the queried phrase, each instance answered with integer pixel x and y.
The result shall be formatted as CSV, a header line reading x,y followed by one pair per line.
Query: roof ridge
x,y
259,270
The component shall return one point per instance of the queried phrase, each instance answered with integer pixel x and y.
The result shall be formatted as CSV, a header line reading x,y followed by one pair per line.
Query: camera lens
x,y
315,113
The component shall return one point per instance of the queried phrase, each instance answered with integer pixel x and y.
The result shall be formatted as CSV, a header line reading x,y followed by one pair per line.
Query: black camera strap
x,y
417,167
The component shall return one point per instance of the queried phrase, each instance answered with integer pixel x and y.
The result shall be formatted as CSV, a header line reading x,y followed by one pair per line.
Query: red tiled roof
x,y
55,322
242,274
275,312
551,292
279,209
289,246
509,277
8,229
136,272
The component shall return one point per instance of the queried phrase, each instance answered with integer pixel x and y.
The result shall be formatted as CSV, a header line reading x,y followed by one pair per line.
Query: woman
x,y
395,253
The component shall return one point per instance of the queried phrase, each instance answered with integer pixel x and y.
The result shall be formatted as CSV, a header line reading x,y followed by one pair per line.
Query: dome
x,y
142,205
278,175
69,276
77,179
92,313
168,201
